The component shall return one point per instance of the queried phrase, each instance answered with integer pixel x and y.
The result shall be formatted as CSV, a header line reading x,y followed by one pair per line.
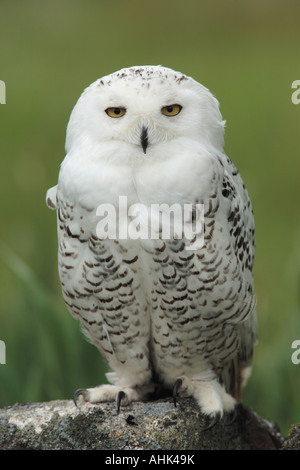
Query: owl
x,y
172,313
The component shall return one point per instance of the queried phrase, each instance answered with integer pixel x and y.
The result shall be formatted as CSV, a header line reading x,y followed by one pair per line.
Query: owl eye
x,y
115,112
171,109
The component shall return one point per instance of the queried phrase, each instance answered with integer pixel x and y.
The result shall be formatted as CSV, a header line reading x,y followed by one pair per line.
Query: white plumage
x,y
157,311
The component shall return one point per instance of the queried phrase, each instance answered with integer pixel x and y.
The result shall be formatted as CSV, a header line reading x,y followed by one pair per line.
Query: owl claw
x,y
80,391
177,385
233,416
213,422
120,395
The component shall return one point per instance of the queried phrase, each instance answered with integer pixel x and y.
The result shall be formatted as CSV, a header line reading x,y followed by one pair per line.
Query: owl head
x,y
142,107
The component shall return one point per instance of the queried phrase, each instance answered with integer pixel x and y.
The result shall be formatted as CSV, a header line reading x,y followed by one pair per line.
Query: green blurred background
x,y
247,54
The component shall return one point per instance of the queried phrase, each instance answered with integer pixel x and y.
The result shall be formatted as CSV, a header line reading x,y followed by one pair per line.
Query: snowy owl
x,y
165,314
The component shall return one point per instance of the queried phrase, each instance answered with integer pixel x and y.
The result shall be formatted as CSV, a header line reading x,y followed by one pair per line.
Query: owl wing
x,y
238,212
51,198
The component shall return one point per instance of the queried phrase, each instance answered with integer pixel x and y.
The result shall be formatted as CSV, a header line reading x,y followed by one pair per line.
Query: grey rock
x,y
157,425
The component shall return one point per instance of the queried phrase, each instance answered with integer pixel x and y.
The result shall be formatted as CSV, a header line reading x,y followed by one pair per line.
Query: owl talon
x,y
213,422
233,416
177,385
120,395
78,393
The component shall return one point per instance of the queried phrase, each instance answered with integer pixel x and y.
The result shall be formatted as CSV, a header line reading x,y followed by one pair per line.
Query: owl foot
x,y
104,393
210,395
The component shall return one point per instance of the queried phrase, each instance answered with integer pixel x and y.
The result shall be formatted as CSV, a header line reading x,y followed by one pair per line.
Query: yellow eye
x,y
171,109
115,112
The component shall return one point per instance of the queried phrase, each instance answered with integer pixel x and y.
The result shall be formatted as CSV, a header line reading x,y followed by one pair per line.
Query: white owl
x,y
164,316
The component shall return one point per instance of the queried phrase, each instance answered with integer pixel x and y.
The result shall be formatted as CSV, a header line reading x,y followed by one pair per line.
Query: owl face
x,y
140,108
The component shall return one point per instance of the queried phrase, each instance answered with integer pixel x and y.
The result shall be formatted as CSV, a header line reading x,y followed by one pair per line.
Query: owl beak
x,y
144,138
